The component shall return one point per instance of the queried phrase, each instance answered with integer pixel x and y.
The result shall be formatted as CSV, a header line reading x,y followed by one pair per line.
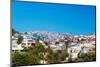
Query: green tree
x,y
52,58
14,31
90,56
20,39
63,54
24,58
70,60
38,52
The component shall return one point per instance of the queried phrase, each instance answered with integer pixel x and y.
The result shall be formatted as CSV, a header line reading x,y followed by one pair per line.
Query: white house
x,y
15,46
27,41
73,51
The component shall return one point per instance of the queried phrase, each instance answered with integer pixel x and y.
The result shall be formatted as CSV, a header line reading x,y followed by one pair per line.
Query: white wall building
x,y
15,46
27,41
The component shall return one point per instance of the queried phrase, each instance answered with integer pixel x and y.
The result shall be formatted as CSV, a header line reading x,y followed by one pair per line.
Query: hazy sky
x,y
32,16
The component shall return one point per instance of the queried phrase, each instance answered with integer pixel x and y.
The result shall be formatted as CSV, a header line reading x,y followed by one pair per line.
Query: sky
x,y
35,16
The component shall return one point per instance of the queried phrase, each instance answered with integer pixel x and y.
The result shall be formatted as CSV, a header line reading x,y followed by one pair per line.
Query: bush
x,y
90,56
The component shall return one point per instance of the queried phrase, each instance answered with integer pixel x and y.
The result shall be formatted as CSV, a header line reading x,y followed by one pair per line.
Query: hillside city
x,y
43,47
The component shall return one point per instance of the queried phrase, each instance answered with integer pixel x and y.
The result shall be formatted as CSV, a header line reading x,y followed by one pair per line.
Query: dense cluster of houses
x,y
56,41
